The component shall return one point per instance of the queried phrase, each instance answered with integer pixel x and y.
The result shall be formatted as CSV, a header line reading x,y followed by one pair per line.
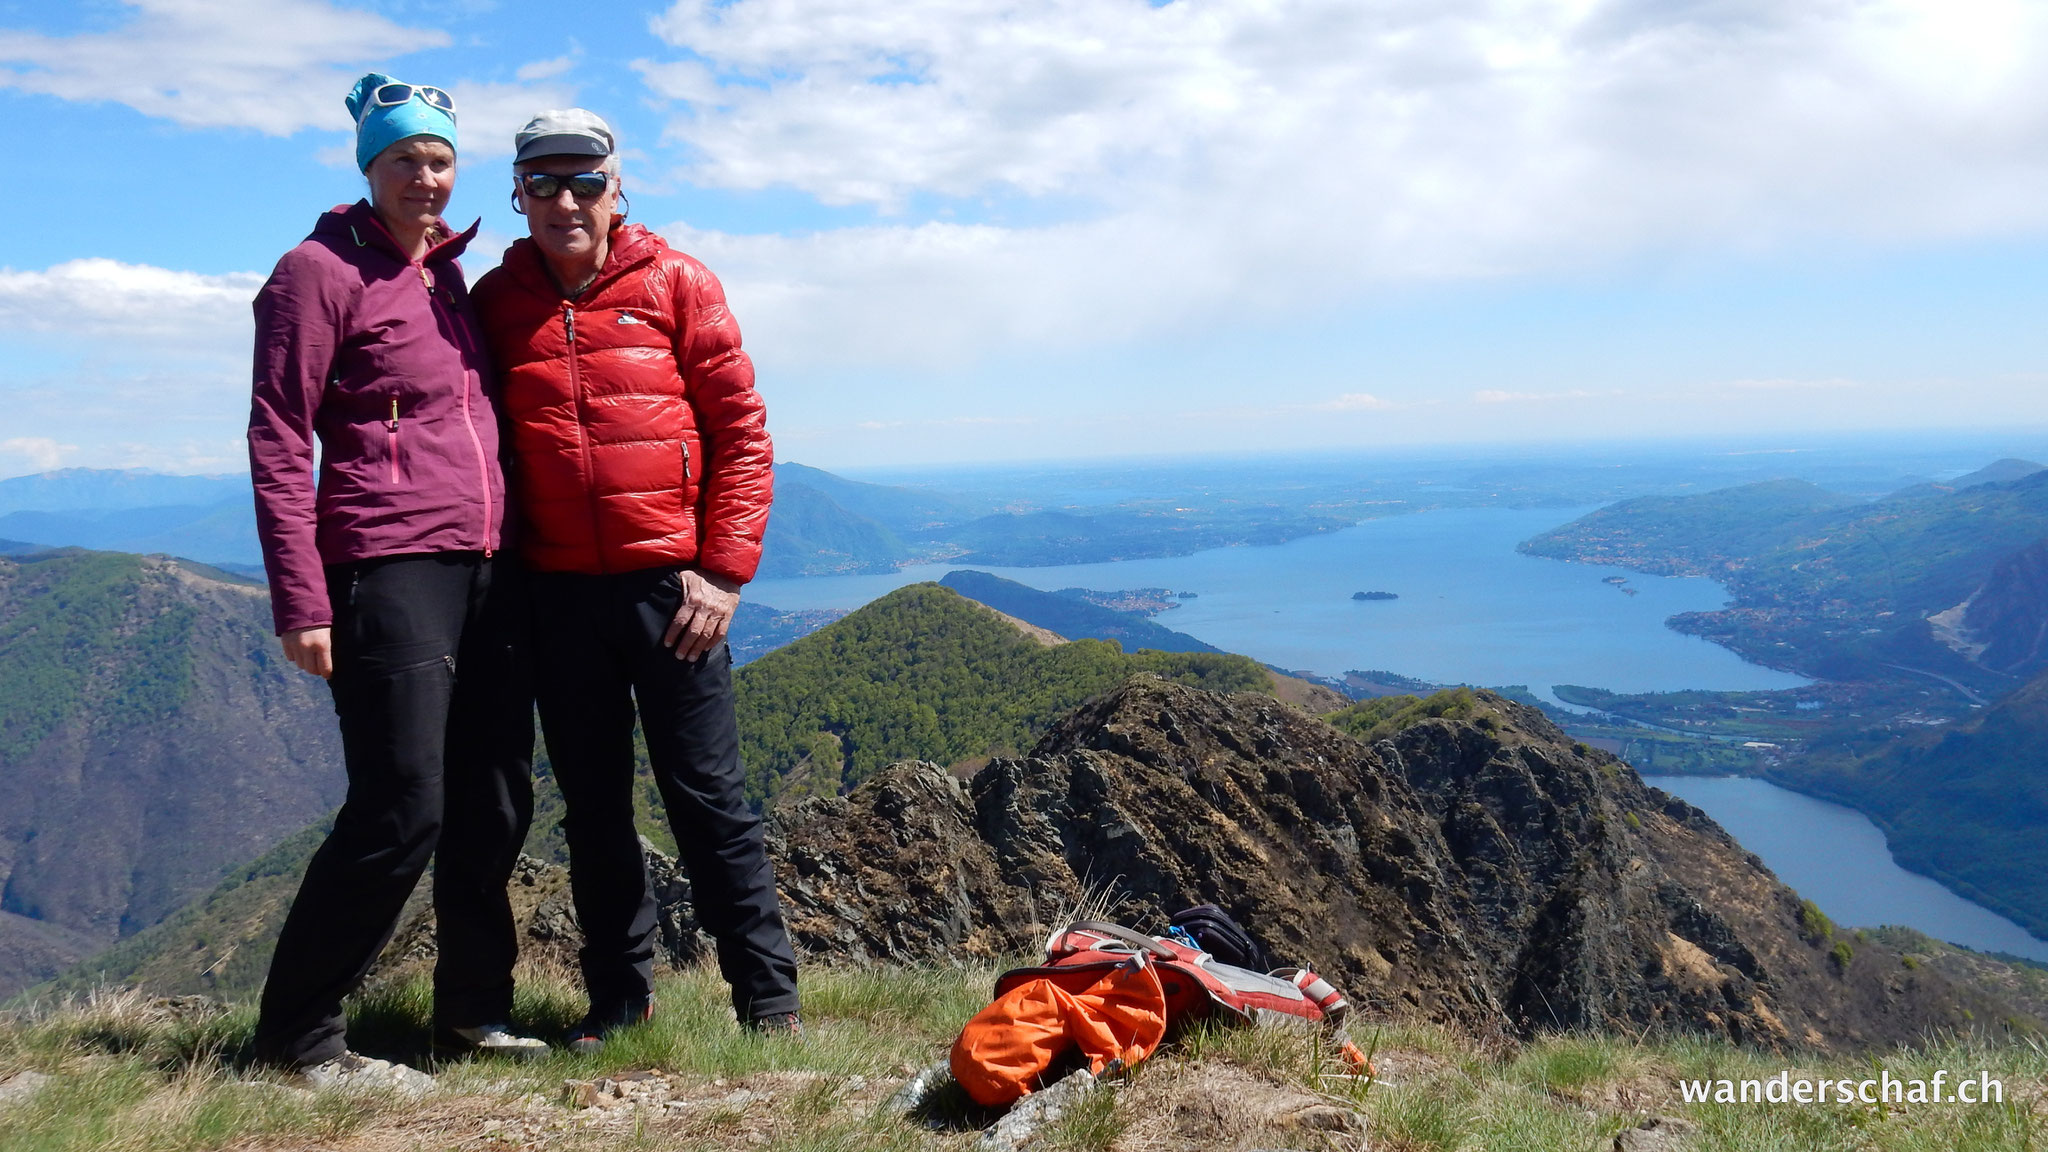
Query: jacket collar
x,y
358,226
631,246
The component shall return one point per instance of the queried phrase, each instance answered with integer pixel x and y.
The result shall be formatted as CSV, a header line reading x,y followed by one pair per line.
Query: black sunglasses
x,y
583,185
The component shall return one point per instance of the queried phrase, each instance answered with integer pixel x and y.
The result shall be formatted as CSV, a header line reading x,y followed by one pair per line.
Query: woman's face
x,y
410,181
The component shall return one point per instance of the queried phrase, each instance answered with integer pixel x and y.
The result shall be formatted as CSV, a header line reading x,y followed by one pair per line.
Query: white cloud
x,y
1353,402
1832,385
545,69
275,66
133,303
1497,396
41,451
1241,159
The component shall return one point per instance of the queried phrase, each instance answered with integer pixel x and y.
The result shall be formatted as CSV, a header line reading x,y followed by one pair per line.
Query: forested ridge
x,y
924,673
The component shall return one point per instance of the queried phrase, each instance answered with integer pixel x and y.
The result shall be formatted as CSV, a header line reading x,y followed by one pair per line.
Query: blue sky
x,y
983,230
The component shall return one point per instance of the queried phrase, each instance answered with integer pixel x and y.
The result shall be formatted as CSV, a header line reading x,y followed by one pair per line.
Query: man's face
x,y
565,227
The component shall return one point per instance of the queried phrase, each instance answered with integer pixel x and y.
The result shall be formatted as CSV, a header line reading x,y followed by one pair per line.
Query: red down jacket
x,y
638,440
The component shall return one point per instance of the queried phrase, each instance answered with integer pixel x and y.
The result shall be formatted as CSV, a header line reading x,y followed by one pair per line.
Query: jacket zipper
x,y
483,467
391,435
583,433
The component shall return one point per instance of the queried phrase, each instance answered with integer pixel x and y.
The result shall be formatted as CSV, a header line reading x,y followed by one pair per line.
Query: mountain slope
x,y
921,672
924,672
1838,593
1967,806
809,534
1699,535
150,736
2003,626
904,511
1068,616
1483,872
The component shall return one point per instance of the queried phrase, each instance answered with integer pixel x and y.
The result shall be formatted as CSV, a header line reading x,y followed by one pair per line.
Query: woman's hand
x,y
702,618
312,649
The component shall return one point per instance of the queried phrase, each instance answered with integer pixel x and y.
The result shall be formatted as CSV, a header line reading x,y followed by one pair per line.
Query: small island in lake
x,y
1374,596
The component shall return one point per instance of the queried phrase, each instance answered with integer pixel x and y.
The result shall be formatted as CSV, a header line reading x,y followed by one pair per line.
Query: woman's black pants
x,y
598,653
433,685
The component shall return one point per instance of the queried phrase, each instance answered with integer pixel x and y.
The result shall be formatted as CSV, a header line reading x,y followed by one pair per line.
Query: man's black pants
x,y
433,686
598,653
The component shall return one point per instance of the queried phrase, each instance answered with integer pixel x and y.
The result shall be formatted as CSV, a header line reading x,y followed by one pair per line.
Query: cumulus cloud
x,y
41,451
1250,157
132,302
272,65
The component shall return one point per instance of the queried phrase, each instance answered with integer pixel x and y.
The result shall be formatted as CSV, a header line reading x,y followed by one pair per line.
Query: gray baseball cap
x,y
563,132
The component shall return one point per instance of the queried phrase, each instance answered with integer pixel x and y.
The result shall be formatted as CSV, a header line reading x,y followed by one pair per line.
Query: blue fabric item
x,y
378,128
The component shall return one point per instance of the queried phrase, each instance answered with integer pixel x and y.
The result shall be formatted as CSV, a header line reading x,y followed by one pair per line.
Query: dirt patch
x,y
1226,1108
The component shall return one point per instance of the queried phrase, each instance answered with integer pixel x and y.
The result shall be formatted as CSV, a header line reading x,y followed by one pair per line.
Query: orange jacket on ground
x,y
637,438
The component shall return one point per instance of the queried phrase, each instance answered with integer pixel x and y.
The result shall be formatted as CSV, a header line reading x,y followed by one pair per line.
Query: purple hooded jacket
x,y
380,358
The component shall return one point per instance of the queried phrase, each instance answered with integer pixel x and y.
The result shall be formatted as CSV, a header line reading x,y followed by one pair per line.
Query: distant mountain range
x,y
1823,584
1070,616
822,525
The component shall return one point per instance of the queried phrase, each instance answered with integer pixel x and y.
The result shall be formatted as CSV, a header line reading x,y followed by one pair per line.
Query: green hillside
x,y
924,673
1967,806
809,534
1699,535
1833,588
149,738
1070,616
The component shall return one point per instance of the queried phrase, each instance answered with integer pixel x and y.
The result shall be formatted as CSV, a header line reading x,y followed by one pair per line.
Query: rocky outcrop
x,y
1486,873
2003,626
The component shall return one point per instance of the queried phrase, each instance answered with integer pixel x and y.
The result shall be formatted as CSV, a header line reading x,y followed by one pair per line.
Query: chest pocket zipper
x,y
391,434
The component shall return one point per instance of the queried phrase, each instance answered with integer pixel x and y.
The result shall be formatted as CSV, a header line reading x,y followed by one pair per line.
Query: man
x,y
642,470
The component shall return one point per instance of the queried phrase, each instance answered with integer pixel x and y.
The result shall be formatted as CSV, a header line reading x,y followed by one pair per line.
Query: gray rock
x,y
18,1088
1657,1134
350,1072
919,1087
1029,1116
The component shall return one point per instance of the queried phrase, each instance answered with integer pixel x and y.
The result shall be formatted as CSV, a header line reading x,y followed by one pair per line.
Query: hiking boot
x,y
487,1040
784,1025
352,1071
589,1034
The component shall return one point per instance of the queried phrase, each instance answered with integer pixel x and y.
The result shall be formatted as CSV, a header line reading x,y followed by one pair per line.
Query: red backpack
x,y
1113,994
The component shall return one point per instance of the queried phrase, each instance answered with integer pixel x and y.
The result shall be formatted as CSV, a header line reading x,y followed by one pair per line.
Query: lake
x,y
1472,610
1835,857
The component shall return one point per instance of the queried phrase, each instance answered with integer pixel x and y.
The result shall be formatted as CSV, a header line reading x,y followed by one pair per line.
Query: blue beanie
x,y
379,127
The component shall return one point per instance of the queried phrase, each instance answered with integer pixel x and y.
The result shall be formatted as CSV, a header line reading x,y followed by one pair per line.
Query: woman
x,y
384,580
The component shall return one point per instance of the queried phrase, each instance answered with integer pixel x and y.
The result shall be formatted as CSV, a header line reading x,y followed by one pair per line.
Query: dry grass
x,y
135,1075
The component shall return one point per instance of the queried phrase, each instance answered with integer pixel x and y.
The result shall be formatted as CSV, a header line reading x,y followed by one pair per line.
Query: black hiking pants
x,y
433,686
598,653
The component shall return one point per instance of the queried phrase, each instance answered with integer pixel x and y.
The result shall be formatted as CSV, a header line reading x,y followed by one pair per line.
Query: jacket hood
x,y
357,225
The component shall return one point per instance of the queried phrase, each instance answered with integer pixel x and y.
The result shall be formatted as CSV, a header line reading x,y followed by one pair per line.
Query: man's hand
x,y
709,601
312,649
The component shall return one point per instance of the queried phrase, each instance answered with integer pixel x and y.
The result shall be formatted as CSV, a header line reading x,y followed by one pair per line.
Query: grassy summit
x,y
924,673
133,1075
